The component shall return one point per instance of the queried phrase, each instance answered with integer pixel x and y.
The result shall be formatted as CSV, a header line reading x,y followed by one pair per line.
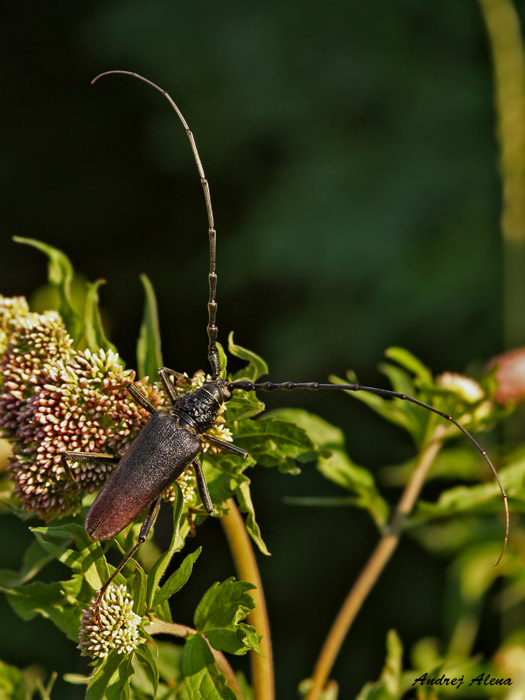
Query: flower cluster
x,y
54,399
12,309
110,624
509,372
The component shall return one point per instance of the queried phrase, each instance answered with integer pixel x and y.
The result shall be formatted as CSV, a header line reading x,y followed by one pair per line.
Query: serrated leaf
x,y
60,274
145,656
256,366
149,353
94,334
177,579
244,499
201,675
243,405
272,442
220,613
111,679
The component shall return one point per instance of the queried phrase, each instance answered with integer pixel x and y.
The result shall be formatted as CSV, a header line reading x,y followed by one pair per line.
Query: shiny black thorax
x,y
199,409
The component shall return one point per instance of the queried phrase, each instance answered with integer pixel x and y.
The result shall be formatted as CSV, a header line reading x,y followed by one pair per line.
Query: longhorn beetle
x,y
170,442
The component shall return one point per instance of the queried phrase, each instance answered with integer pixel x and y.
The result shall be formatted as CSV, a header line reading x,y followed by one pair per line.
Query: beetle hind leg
x,y
143,536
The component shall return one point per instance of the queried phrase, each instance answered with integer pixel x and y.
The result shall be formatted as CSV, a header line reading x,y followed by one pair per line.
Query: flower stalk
x,y
373,568
183,631
247,570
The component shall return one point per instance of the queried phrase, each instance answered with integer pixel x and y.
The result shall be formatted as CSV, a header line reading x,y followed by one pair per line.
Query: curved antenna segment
x,y
213,354
315,386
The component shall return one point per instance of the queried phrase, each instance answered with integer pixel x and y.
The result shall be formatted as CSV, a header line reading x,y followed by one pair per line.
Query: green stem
x,y
373,568
182,631
247,570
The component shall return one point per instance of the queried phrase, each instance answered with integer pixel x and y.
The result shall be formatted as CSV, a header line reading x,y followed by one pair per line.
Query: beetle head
x,y
219,389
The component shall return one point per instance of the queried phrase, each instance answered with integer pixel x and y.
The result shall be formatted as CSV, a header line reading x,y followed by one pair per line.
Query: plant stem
x,y
373,568
508,57
182,631
247,570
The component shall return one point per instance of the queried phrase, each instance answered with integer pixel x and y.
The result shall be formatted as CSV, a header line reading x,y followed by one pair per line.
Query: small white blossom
x,y
466,388
110,625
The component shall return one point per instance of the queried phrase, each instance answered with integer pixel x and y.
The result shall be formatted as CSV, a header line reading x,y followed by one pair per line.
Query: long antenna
x,y
213,354
316,386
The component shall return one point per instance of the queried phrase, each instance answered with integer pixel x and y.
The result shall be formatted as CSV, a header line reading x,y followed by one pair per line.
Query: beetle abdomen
x,y
157,456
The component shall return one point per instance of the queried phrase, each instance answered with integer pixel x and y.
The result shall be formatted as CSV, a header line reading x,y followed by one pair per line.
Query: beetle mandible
x,y
171,441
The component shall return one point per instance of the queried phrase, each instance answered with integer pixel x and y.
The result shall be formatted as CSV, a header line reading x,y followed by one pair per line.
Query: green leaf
x,y
146,658
169,662
177,542
50,601
139,591
272,442
201,675
256,366
479,498
17,684
400,380
93,329
411,363
223,360
177,579
388,687
244,499
220,613
60,274
393,410
89,559
335,464
111,679
243,405
33,561
149,354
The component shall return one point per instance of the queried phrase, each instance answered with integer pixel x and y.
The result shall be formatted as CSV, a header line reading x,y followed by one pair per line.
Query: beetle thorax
x,y
200,408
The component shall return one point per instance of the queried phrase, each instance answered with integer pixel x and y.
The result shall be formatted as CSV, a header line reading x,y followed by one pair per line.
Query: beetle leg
x,y
140,398
169,388
226,446
143,536
83,457
202,486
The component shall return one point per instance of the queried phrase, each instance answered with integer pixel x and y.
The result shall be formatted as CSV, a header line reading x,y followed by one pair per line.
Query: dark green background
x,y
351,153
